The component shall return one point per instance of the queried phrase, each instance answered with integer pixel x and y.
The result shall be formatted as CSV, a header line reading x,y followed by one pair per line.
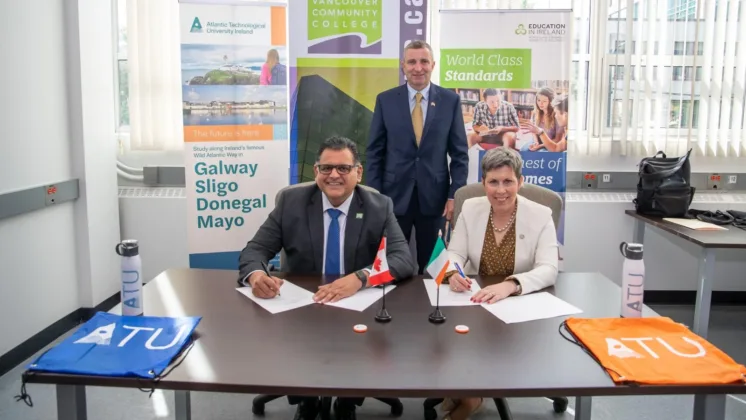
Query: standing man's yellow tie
x,y
417,118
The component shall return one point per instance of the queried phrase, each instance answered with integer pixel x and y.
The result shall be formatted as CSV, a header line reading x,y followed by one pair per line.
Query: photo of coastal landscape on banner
x,y
230,85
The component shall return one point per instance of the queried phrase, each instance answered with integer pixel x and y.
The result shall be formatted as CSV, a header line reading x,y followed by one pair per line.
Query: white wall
x,y
38,283
159,224
56,112
617,163
90,62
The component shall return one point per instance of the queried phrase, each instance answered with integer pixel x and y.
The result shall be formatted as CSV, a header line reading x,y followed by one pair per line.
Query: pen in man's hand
x,y
266,271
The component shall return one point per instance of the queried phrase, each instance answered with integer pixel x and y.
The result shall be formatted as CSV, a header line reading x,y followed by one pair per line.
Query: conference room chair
x,y
536,194
260,401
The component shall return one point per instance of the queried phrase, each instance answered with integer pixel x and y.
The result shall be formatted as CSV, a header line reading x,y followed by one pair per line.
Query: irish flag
x,y
439,263
380,273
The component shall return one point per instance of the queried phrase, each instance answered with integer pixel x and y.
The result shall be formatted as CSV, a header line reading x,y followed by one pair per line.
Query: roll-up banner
x,y
511,69
343,54
234,69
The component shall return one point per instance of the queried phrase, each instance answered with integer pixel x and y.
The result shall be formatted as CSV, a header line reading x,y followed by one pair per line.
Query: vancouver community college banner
x,y
514,82
343,54
234,84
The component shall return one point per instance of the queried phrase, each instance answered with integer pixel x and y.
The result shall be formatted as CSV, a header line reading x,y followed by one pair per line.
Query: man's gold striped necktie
x,y
417,122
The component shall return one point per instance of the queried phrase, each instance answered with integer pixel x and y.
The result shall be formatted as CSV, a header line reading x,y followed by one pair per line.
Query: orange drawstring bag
x,y
654,351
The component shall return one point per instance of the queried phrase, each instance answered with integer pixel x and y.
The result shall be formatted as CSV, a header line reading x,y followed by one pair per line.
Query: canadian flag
x,y
380,273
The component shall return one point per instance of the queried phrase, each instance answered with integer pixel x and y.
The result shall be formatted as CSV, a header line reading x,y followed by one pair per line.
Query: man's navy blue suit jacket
x,y
394,163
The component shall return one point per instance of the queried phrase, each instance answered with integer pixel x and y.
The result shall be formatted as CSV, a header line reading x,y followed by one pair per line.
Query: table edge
x,y
618,390
666,228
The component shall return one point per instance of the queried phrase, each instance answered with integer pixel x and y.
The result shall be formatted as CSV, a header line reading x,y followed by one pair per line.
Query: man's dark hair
x,y
489,92
339,143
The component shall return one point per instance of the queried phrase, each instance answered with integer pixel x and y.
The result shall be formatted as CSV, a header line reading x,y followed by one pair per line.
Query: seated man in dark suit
x,y
332,228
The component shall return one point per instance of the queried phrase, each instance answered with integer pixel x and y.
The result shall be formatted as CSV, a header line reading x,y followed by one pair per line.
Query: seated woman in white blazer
x,y
502,234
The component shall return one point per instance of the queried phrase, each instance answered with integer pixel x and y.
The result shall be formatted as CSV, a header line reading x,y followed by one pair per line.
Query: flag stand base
x,y
383,316
437,317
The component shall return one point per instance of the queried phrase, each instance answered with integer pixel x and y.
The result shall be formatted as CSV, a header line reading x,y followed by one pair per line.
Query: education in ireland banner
x,y
234,99
514,87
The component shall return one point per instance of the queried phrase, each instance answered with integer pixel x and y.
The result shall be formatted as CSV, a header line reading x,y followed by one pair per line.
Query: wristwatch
x,y
518,288
363,276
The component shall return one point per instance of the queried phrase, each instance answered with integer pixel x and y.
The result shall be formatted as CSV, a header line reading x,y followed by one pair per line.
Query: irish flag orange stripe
x,y
442,274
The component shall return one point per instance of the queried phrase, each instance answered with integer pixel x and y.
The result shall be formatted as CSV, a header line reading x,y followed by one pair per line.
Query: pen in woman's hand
x,y
463,276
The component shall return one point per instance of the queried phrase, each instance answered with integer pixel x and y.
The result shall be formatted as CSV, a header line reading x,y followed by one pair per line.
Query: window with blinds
x,y
650,75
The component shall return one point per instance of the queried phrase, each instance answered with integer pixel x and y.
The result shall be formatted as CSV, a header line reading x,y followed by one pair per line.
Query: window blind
x,y
650,75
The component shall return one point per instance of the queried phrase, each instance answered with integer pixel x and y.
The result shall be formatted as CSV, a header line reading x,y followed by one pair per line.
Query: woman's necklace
x,y
507,225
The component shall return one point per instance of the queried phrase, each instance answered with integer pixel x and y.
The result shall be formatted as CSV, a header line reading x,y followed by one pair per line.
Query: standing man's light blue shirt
x,y
412,100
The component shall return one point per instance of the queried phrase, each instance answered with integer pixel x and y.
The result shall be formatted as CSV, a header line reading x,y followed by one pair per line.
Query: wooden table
x,y
241,348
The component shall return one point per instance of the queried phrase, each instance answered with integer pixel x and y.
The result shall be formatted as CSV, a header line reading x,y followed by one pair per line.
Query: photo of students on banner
x,y
528,120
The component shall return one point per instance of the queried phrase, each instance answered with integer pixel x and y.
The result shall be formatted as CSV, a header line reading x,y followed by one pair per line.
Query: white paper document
x,y
361,300
530,307
290,297
694,224
448,297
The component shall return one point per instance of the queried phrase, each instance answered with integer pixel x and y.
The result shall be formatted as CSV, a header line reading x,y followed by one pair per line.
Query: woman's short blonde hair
x,y
502,156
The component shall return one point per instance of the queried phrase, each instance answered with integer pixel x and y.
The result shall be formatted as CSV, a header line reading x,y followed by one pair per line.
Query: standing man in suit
x,y
415,128
334,228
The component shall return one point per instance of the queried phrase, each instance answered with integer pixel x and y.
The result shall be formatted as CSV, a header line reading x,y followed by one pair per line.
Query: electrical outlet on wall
x,y
606,178
714,182
51,195
590,181
732,179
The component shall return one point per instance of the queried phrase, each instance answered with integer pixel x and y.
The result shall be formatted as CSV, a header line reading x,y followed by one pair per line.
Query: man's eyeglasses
x,y
341,169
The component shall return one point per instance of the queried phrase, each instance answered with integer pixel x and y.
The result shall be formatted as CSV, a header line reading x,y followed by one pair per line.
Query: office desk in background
x,y
709,241
241,348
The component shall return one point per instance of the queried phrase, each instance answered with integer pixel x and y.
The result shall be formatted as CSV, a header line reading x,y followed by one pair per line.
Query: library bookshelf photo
x,y
523,100
498,125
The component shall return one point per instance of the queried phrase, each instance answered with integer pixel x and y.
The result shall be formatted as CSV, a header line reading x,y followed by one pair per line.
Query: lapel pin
x,y
359,216
432,103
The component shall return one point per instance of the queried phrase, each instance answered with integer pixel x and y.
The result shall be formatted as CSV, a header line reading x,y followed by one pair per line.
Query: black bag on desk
x,y
739,218
664,189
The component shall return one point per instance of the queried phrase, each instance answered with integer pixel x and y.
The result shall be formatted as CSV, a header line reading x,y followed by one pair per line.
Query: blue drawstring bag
x,y
121,346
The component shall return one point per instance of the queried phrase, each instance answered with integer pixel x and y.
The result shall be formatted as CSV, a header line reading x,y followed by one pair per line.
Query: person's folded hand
x,y
264,286
338,289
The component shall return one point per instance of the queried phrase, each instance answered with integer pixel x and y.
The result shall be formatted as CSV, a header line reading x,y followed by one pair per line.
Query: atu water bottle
x,y
633,279
131,277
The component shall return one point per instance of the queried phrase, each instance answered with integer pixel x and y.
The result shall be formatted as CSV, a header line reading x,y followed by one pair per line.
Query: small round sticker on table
x,y
360,328
462,329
